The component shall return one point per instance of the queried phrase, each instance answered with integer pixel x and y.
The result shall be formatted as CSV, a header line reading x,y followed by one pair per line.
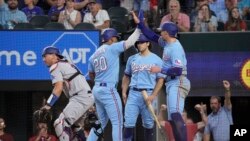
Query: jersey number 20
x,y
100,64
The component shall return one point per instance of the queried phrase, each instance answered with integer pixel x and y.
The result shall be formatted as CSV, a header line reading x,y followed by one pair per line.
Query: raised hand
x,y
226,84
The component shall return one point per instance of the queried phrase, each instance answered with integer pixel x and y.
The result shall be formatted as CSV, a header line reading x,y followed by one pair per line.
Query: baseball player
x,y
137,77
175,67
66,77
104,70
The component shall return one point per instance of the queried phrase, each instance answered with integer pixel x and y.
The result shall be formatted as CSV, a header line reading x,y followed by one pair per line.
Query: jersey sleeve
x,y
56,75
176,59
118,47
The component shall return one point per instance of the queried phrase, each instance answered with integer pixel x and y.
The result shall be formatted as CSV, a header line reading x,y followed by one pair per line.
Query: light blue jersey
x,y
173,55
177,87
105,62
138,68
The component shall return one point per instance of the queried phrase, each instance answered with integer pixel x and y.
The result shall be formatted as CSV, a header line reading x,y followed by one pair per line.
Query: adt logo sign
x,y
239,132
76,47
22,59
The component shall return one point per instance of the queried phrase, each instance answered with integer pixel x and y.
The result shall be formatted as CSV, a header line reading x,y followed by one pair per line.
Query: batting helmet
x,y
52,50
109,33
142,38
170,28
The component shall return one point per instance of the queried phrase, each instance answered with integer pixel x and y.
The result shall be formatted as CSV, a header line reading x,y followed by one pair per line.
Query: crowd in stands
x,y
189,15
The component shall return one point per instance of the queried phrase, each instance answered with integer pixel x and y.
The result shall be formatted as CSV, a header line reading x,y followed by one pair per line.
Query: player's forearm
x,y
174,71
148,33
158,86
58,88
125,84
132,38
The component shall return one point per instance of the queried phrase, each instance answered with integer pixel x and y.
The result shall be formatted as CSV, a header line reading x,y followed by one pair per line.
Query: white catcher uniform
x,y
76,88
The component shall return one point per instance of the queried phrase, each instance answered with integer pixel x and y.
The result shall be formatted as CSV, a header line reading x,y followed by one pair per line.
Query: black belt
x,y
141,89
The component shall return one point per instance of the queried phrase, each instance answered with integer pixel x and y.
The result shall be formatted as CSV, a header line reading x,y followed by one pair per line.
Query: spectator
x,y
220,119
55,10
194,12
205,21
180,19
31,9
42,133
217,5
70,17
4,136
13,15
235,23
97,16
244,6
3,9
223,15
194,130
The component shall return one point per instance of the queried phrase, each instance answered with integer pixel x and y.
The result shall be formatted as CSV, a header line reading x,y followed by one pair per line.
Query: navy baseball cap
x,y
52,50
170,27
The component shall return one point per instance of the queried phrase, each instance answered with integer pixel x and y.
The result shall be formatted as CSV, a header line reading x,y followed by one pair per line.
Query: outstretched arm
x,y
145,30
174,71
227,102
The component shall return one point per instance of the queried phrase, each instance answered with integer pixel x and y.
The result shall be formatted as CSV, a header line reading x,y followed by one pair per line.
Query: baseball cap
x,y
91,1
169,27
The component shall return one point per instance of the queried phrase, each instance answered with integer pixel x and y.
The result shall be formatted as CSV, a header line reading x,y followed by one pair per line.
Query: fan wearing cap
x,y
103,69
97,16
66,77
175,67
137,77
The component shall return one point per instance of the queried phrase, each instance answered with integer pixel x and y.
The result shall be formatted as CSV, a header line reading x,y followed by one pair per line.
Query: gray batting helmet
x,y
52,50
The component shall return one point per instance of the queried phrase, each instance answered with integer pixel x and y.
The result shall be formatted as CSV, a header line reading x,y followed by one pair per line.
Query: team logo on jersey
x,y
140,67
245,74
178,62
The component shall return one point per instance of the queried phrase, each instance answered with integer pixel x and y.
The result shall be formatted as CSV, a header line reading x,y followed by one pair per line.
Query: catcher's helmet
x,y
142,38
108,34
170,27
52,50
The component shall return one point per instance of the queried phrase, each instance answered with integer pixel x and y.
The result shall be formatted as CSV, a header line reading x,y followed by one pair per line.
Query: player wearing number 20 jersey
x,y
104,70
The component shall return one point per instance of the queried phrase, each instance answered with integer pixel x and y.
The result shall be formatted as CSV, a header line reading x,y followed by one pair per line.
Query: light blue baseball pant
x,y
177,89
108,106
136,105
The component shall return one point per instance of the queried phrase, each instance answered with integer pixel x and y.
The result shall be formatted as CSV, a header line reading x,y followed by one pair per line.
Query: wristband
x,y
52,99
